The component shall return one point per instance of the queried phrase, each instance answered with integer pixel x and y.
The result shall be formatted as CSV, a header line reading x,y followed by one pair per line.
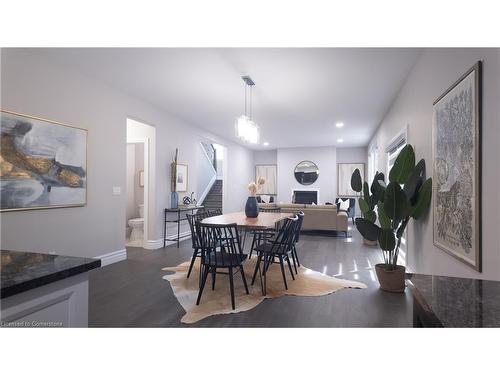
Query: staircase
x,y
213,199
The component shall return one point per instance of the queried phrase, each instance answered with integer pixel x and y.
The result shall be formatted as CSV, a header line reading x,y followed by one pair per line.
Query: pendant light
x,y
246,129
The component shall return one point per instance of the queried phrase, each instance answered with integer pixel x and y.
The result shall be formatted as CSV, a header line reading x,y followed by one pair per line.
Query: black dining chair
x,y
295,256
278,248
260,235
195,240
192,220
220,249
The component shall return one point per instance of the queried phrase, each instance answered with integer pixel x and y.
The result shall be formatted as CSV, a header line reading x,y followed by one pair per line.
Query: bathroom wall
x,y
130,181
139,166
135,164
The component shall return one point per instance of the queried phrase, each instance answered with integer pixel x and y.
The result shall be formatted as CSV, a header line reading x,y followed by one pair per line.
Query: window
x,y
372,161
393,150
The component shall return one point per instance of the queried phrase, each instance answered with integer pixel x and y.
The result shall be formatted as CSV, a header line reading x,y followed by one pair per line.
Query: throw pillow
x,y
344,205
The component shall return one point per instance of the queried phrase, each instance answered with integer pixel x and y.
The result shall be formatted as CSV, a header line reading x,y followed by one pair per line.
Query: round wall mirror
x,y
306,172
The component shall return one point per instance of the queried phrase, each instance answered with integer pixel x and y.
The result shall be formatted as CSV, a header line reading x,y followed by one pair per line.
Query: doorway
x,y
140,184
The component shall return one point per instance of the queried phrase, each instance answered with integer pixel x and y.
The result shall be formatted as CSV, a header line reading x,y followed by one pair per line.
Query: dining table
x,y
262,221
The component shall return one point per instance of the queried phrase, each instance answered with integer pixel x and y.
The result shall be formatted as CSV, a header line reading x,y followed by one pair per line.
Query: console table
x,y
178,219
440,301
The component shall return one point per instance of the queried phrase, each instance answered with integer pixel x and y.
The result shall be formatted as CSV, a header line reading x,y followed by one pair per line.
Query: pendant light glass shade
x,y
247,130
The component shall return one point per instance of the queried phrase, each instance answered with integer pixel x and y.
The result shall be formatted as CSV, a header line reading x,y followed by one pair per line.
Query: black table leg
x,y
165,228
178,227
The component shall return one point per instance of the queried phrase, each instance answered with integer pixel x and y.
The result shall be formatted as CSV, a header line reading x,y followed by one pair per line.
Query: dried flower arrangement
x,y
254,187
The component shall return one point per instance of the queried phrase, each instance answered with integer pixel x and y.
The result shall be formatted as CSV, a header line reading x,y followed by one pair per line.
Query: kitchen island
x,y
44,290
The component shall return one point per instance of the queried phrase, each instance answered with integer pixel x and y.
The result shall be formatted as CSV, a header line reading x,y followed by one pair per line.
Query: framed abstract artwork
x,y
182,177
43,163
269,172
345,171
456,143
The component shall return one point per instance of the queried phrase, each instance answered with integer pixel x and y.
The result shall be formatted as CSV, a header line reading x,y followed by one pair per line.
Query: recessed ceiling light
x,y
339,124
340,140
266,143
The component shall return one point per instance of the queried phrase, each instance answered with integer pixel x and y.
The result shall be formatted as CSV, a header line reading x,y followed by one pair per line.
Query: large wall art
x,y
43,163
457,169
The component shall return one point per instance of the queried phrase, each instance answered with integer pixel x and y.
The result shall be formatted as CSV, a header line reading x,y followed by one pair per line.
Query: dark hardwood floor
x,y
132,293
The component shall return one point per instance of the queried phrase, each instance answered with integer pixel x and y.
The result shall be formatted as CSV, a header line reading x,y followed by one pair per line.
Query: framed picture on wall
x,y
182,177
269,172
43,163
456,144
345,171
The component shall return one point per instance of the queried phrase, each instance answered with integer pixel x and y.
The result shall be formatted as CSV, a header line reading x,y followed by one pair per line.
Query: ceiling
x,y
299,96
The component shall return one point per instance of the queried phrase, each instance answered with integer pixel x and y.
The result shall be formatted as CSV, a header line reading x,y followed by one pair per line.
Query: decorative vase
x,y
251,207
174,199
391,280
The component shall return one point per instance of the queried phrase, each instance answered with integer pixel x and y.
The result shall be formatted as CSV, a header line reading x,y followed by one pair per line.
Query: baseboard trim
x,y
113,257
153,244
158,244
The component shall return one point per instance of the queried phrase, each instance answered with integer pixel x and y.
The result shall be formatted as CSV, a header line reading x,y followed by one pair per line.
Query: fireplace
x,y
305,196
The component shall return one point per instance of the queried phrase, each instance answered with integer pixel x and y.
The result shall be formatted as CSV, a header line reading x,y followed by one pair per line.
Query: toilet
x,y
137,225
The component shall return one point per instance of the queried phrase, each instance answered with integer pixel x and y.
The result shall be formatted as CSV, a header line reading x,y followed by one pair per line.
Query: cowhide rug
x,y
218,301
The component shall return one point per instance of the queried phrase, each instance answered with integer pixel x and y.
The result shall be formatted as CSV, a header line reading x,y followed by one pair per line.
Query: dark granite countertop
x,y
457,302
22,271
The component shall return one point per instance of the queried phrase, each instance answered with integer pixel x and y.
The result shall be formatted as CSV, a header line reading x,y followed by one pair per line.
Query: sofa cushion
x,y
291,205
267,205
321,207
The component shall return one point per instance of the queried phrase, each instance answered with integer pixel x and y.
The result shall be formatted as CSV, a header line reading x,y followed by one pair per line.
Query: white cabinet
x,y
63,303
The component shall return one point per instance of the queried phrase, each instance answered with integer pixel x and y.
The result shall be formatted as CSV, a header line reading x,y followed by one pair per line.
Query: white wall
x,y
139,166
434,72
265,157
135,193
324,157
353,155
131,210
33,85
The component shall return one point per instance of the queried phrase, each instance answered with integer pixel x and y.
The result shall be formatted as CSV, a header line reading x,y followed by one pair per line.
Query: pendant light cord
x,y
250,102
245,99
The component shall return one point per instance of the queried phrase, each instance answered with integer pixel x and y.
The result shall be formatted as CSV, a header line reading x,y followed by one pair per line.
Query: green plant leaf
x,y
404,164
367,229
375,187
401,229
382,187
414,180
384,220
370,216
363,206
423,200
356,182
396,205
387,240
366,192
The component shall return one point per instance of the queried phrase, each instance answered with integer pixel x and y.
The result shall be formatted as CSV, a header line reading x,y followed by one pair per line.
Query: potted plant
x,y
367,201
406,196
251,207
